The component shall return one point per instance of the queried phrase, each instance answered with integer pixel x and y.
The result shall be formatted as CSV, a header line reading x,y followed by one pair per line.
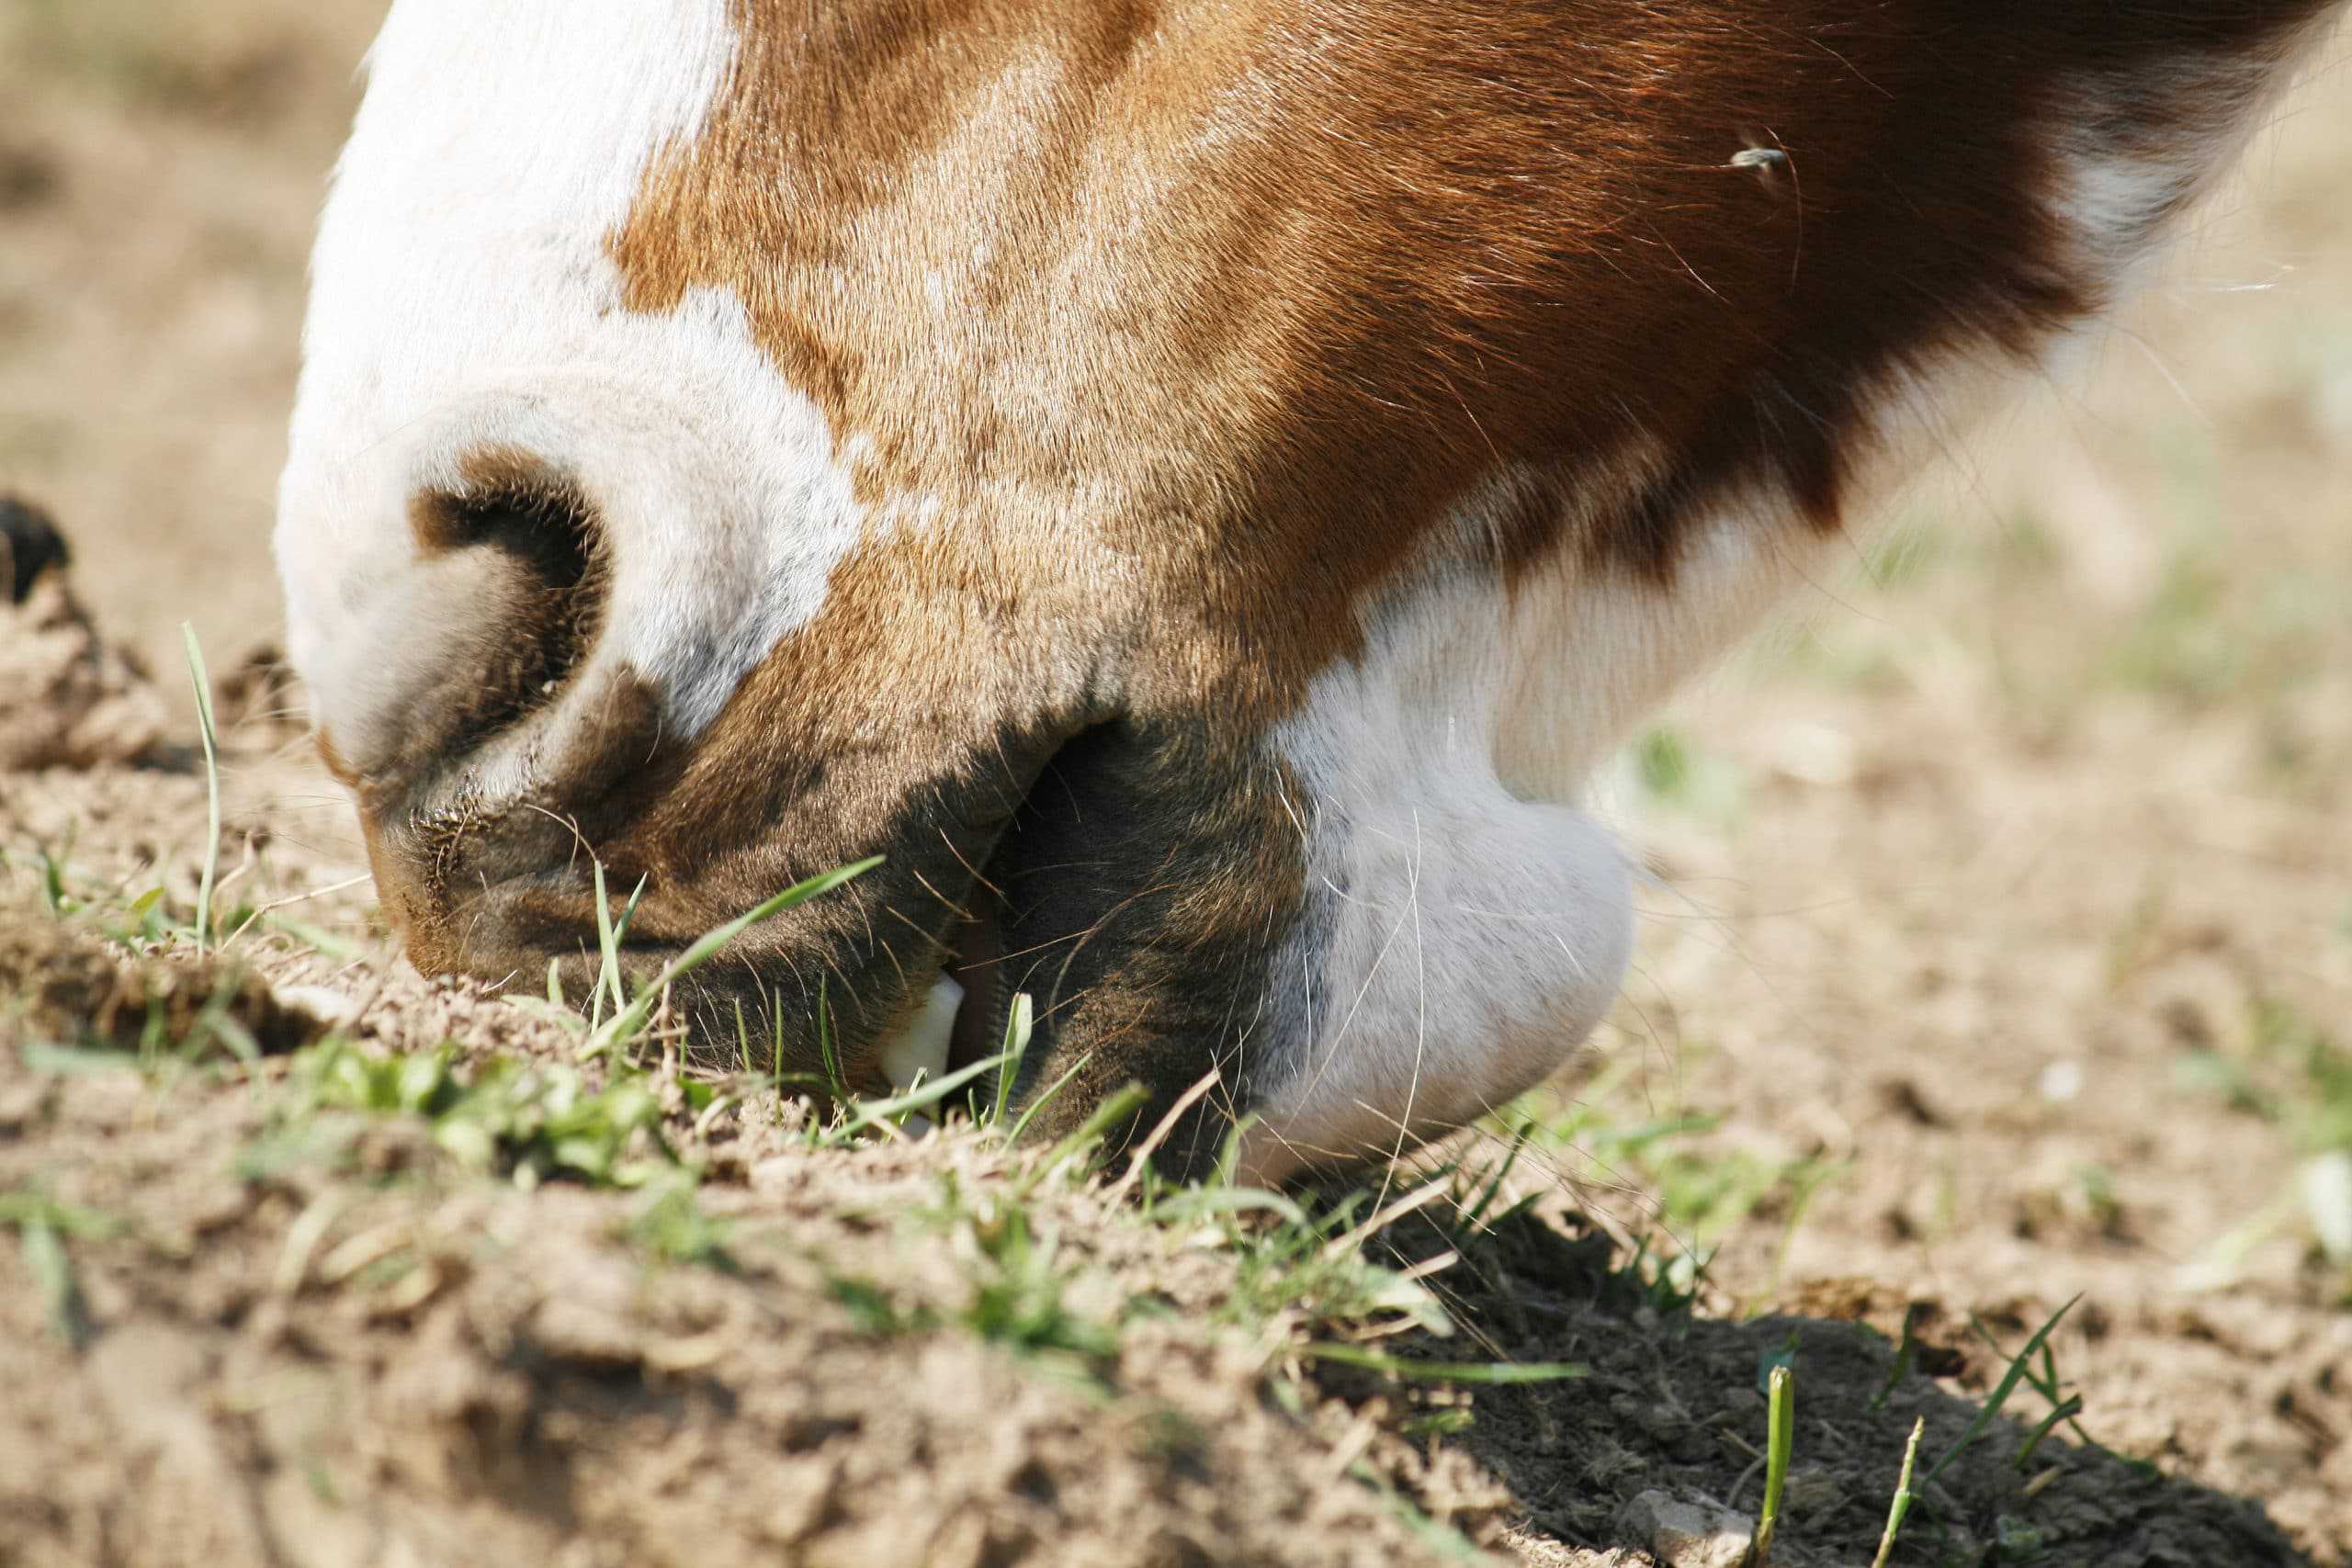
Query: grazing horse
x,y
1195,484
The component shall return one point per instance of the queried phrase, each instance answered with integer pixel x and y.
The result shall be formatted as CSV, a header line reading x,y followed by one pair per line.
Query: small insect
x,y
1769,164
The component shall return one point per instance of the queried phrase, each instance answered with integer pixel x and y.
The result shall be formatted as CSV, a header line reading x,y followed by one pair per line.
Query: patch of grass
x,y
1411,1368
620,1032
43,1225
1662,761
1908,553
2211,632
1674,772
2298,1078
671,1225
2019,1370
1698,1190
1779,1375
1022,1298
528,1121
896,1109
1297,1270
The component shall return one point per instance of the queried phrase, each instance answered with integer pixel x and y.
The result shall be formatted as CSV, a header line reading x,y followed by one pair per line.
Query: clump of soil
x,y
69,696
61,984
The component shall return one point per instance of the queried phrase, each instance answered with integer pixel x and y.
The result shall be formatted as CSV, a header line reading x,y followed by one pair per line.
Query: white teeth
x,y
922,1046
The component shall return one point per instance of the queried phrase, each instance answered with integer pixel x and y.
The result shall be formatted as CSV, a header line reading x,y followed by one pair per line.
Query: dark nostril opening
x,y
526,541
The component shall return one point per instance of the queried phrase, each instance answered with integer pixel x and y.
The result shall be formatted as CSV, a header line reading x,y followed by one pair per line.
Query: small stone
x,y
2061,1081
1689,1535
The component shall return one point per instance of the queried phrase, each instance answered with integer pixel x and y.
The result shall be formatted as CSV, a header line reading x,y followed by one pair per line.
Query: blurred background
x,y
2000,941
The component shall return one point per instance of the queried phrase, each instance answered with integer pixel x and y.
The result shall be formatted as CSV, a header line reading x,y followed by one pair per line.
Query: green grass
x,y
528,1121
1021,1294
202,683
2296,1077
1779,1445
1675,773
670,1227
2018,1370
43,1225
628,1023
1696,1188
147,921
1907,554
1410,1369
2033,1366
1899,1508
609,1117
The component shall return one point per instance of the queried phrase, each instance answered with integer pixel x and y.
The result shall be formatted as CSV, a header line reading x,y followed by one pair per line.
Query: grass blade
x,y
1046,1098
869,1112
1901,1506
1486,1372
2001,1391
1020,1023
829,1060
1199,1203
609,968
1124,1103
1907,1350
1780,1444
2065,1409
1477,1210
625,1024
52,1274
1140,1160
203,683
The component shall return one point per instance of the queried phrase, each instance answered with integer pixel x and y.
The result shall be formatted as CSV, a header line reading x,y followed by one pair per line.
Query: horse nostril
x,y
525,545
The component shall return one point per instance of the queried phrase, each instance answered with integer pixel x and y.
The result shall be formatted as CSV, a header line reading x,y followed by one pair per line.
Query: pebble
x,y
1689,1535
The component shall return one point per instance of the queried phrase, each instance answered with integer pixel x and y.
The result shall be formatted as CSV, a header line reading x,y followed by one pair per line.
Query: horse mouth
x,y
967,1015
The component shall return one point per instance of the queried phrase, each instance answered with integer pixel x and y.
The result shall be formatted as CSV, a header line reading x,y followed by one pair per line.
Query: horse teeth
x,y
919,1047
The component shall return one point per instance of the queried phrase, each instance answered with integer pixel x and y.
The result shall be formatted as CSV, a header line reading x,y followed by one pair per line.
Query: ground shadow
x,y
1673,1403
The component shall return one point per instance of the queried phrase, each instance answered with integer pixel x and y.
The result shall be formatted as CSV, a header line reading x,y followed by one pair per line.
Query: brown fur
x,y
1161,336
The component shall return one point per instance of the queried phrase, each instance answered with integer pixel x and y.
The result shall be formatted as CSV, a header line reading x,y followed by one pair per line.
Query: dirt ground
x,y
1998,956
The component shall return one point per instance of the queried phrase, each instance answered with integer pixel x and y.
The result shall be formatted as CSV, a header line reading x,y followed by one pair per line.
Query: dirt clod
x,y
68,696
30,546
60,985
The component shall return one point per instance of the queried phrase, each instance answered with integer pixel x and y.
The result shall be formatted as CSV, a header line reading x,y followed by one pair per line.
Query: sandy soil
x,y
2001,934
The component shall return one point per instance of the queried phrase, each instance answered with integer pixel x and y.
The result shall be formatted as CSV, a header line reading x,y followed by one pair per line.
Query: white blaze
x,y
463,298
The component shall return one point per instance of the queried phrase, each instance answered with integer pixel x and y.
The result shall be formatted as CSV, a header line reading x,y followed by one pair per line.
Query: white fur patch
x,y
1474,936
463,298
1461,940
